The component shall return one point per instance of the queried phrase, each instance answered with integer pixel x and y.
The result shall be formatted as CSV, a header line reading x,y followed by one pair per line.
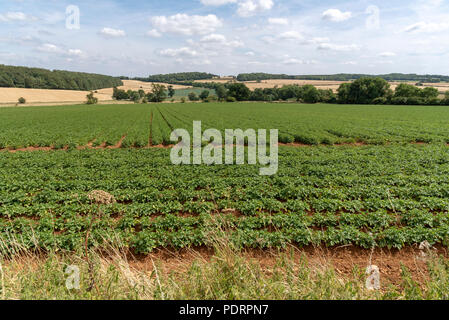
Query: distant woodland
x,y
23,77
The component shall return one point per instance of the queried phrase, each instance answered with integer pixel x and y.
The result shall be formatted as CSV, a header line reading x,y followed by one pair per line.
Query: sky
x,y
227,37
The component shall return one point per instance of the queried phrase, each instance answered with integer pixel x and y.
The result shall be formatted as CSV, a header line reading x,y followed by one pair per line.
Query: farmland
x,y
369,196
9,96
151,124
373,188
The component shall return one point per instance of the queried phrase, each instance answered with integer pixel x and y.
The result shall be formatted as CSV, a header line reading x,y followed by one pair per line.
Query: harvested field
x,y
333,85
137,85
36,97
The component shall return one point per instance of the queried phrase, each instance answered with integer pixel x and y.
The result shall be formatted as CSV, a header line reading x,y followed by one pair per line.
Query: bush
x,y
22,100
231,99
91,99
432,101
212,98
204,95
414,101
193,96
380,100
399,100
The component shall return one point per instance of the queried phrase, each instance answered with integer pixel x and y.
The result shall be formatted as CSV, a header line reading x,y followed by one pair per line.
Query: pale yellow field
x,y
136,85
334,85
320,84
10,96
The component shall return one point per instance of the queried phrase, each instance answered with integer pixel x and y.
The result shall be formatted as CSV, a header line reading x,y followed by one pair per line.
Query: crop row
x,y
75,126
387,196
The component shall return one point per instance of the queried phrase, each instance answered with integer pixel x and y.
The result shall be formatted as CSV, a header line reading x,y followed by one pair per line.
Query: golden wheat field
x,y
36,97
320,84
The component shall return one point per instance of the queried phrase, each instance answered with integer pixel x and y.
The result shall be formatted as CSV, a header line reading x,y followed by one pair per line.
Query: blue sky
x,y
227,37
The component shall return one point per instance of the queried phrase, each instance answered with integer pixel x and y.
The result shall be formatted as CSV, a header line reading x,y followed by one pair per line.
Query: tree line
x,y
343,77
158,93
175,78
23,77
371,90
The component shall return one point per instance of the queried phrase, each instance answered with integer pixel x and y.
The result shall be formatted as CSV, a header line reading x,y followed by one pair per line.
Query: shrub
x,y
193,96
91,99
432,101
399,100
380,100
231,99
204,95
415,101
22,100
212,98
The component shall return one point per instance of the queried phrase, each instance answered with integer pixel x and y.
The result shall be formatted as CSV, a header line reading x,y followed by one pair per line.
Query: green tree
x,y
365,90
310,94
141,93
134,96
120,94
429,93
193,97
239,91
171,91
204,95
407,90
221,92
343,93
159,92
91,99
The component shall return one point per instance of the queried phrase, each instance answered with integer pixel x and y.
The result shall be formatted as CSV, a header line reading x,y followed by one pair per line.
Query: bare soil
x,y
344,260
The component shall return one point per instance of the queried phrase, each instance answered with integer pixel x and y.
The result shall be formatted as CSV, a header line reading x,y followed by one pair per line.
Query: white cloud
x,y
217,2
185,51
187,25
427,27
214,38
50,48
13,16
113,33
250,54
248,8
336,15
75,52
387,54
291,35
154,33
293,61
278,21
317,40
221,40
338,47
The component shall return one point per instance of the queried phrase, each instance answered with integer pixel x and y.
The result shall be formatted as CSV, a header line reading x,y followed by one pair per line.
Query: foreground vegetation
x,y
96,208
151,124
227,275
387,197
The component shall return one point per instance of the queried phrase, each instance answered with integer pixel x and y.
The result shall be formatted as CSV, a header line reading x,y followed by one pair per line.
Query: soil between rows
x,y
119,145
342,259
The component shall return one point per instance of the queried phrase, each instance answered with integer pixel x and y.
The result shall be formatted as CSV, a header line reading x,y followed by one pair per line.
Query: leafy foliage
x,y
23,77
